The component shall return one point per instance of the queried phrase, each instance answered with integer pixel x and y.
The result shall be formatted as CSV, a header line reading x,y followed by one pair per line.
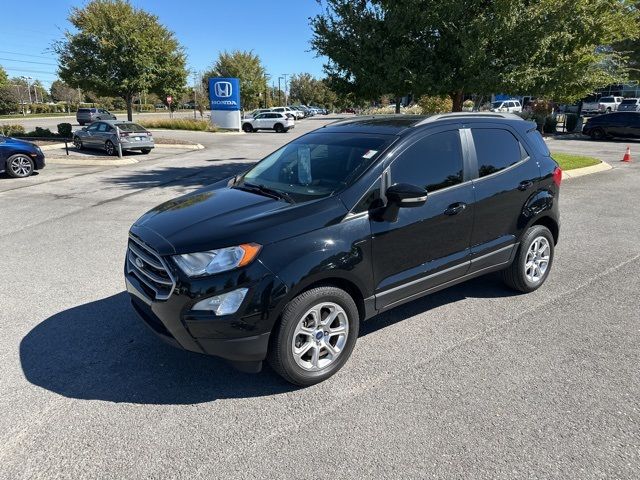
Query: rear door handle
x,y
455,208
525,185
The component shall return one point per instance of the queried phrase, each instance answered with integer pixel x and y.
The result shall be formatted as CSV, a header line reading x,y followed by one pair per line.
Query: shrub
x,y
179,124
468,105
11,130
571,121
541,107
431,105
40,132
64,130
550,124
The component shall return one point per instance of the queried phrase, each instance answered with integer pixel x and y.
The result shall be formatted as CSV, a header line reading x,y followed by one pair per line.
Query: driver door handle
x,y
455,208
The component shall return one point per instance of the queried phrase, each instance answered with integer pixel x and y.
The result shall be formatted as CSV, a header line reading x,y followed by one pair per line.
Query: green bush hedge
x,y
550,124
11,130
179,124
64,130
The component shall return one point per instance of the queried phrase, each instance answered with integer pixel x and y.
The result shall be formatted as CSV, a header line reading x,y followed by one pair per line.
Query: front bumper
x,y
241,337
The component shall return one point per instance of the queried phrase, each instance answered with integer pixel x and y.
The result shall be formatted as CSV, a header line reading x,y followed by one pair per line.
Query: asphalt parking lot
x,y
471,382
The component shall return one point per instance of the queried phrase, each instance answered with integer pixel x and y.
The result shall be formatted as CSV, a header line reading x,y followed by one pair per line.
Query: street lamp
x,y
279,92
28,85
285,75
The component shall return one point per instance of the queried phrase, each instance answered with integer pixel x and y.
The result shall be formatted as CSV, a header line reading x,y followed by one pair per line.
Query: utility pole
x,y
279,93
285,75
35,91
26,79
195,98
266,90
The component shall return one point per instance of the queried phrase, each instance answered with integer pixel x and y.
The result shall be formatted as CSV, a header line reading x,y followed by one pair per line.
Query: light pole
x,y
266,89
279,92
195,98
26,79
285,75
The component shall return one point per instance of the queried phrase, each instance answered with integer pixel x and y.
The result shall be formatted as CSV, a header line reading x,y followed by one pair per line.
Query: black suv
x,y
284,261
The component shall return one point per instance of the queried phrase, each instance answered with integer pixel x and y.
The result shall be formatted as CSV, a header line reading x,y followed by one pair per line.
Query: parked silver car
x,y
629,105
109,133
90,115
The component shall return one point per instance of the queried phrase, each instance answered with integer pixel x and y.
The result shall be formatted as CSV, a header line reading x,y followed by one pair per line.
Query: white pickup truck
x,y
609,104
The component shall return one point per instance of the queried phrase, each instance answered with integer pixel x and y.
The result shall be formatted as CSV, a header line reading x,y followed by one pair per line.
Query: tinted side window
x,y
433,162
496,149
102,127
371,200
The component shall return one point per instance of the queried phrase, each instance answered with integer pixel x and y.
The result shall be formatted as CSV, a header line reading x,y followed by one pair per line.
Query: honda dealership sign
x,y
224,97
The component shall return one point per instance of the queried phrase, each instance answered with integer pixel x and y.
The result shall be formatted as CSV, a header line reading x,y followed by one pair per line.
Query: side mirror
x,y
405,195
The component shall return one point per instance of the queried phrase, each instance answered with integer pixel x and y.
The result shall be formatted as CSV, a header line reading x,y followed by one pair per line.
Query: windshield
x,y
318,164
496,104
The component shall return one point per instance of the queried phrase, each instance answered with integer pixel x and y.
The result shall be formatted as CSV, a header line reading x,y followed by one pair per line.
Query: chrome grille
x,y
149,268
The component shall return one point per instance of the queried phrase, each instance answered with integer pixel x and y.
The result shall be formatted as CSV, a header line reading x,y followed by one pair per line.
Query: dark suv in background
x,y
89,115
285,261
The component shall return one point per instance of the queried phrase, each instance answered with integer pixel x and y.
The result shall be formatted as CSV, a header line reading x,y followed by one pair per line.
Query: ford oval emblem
x,y
139,263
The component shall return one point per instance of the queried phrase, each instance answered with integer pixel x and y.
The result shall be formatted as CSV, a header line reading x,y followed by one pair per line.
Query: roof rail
x,y
453,115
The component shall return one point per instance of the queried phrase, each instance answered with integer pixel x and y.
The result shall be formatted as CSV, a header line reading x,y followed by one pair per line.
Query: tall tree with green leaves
x,y
246,66
119,50
305,89
554,48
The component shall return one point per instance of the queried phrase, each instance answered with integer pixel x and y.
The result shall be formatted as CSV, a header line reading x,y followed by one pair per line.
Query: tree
x,y
246,66
305,89
61,92
548,47
119,50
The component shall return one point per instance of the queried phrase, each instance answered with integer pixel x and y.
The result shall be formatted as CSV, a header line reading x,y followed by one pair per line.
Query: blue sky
x,y
277,31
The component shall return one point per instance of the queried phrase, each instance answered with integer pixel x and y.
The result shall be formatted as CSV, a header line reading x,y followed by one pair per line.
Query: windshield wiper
x,y
269,192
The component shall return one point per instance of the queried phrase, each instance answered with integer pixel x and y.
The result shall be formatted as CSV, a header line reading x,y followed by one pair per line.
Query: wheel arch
x,y
551,224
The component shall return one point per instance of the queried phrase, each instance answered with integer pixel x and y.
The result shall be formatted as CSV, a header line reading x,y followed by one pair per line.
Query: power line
x,y
28,61
30,71
25,54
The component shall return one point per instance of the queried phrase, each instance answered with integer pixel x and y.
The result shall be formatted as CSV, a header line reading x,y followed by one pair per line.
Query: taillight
x,y
557,176
124,134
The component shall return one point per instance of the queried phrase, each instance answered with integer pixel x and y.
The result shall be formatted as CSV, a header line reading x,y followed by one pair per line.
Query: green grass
x,y
569,161
179,124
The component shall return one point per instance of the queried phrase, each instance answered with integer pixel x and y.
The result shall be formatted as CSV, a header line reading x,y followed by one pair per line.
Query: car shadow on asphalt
x,y
102,351
194,177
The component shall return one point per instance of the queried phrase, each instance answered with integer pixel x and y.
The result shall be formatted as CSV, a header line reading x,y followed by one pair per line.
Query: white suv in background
x,y
278,121
297,114
506,106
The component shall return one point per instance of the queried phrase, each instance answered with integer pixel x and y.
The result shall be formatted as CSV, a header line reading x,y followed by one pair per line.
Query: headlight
x,y
216,261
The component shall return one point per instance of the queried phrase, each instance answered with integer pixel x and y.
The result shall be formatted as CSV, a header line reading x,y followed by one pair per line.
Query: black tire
x,y
19,166
77,143
278,128
145,151
597,134
515,275
110,148
247,127
281,356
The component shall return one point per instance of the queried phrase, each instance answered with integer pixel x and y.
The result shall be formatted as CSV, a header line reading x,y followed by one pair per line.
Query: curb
x,y
581,172
54,146
89,162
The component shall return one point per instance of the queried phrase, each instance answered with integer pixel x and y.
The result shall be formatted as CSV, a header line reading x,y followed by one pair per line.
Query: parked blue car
x,y
18,158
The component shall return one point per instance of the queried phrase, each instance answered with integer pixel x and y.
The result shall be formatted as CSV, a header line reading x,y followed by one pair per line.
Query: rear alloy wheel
x,y
110,148
533,261
247,128
77,143
19,166
278,128
597,134
315,337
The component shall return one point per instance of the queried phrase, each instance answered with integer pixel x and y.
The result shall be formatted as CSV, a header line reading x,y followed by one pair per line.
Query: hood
x,y
18,143
222,217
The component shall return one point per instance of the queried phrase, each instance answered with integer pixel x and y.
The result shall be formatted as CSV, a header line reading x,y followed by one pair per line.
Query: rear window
x,y
631,101
607,100
534,137
131,127
84,110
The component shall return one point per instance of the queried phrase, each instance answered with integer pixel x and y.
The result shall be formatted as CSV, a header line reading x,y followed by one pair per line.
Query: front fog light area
x,y
224,304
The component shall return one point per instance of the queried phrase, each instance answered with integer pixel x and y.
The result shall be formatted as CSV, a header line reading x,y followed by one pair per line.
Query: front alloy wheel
x,y
316,334
20,166
77,143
